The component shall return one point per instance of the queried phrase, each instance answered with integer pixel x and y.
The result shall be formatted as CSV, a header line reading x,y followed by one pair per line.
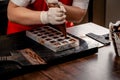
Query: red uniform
x,y
38,5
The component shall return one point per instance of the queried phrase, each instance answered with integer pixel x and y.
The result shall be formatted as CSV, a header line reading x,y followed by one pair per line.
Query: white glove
x,y
53,16
51,1
117,23
62,7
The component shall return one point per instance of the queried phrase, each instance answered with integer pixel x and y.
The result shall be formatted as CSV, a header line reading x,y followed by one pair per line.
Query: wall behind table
x,y
99,12
112,11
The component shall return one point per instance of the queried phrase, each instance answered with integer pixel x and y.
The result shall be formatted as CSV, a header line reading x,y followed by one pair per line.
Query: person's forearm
x,y
74,14
23,15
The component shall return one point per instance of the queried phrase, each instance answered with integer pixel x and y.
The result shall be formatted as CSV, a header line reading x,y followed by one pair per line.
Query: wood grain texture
x,y
104,65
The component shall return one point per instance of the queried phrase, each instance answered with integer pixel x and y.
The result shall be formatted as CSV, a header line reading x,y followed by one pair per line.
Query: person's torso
x,y
38,5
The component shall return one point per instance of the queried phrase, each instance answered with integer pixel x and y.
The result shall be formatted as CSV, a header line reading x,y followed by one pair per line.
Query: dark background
x,y
3,16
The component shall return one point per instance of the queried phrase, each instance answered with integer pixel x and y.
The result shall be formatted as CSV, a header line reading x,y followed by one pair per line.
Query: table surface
x,y
103,65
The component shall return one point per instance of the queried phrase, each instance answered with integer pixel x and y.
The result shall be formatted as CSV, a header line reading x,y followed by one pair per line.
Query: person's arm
x,y
77,11
74,14
18,13
22,15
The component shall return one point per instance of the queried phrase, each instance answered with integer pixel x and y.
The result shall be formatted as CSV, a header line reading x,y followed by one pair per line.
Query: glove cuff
x,y
44,17
62,7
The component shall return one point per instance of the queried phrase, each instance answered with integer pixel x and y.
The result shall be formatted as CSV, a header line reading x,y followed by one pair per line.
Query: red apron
x,y
38,5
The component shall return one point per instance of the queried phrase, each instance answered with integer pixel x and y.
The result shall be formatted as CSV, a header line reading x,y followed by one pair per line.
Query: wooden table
x,y
103,65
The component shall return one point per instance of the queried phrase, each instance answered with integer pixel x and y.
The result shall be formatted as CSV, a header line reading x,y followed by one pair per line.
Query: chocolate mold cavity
x,y
52,41
60,39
